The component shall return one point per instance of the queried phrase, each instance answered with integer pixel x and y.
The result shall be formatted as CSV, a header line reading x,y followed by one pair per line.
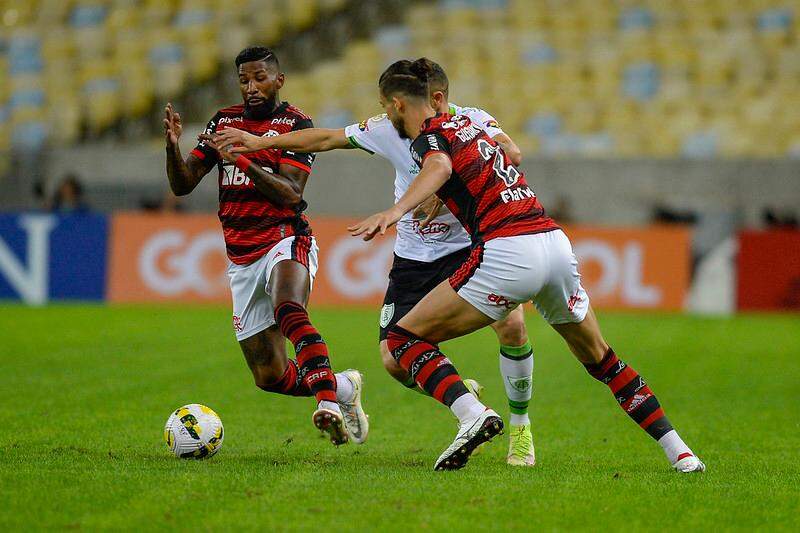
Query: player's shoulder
x,y
233,110
375,124
296,112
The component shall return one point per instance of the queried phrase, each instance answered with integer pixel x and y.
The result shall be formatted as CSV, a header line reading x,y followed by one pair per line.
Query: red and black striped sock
x,y
432,371
312,353
290,383
632,393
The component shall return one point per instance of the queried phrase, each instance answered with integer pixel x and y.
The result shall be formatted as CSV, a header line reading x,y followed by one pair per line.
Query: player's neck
x,y
416,119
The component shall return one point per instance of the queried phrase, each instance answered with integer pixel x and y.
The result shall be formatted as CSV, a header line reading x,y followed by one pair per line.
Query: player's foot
x,y
688,463
520,446
356,421
476,389
329,419
470,435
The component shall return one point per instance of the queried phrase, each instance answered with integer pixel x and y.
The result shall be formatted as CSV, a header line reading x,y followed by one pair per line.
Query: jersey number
x,y
508,174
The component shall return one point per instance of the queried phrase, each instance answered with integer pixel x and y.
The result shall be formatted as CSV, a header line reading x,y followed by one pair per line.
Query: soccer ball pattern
x,y
194,431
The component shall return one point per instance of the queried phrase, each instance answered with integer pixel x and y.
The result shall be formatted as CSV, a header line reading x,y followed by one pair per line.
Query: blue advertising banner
x,y
46,256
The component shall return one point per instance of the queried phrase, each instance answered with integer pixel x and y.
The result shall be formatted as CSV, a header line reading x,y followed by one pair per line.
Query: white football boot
x,y
688,464
470,435
331,421
356,421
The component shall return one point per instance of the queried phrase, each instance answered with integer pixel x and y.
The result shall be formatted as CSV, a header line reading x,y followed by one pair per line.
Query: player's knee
x,y
512,331
391,365
266,377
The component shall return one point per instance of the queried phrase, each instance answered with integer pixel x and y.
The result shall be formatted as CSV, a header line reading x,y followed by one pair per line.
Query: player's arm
x,y
489,124
305,141
509,147
184,175
436,170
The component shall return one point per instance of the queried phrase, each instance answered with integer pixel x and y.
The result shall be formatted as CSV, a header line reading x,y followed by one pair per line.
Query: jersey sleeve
x,y
368,134
429,143
204,152
303,161
483,120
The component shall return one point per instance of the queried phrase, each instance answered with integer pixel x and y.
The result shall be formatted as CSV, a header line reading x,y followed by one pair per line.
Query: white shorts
x,y
508,271
252,306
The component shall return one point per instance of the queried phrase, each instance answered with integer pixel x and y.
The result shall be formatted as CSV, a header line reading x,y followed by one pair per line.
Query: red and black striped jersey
x,y
487,194
250,222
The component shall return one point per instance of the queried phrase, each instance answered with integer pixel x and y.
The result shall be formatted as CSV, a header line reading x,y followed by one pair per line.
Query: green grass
x,y
86,391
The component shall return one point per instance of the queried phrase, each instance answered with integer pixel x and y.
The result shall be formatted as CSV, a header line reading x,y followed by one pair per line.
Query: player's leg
x,y
409,282
289,286
265,353
443,315
565,304
516,370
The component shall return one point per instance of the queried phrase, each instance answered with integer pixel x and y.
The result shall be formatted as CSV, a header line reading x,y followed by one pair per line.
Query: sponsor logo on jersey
x,y
237,324
458,121
286,121
491,124
468,133
363,125
519,193
433,142
229,120
434,228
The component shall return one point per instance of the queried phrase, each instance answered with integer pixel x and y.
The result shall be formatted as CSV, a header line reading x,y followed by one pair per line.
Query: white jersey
x,y
445,234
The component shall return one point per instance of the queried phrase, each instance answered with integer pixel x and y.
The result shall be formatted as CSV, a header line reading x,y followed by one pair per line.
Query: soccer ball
x,y
194,431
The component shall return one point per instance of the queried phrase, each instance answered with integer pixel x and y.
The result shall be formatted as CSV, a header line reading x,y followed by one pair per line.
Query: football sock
x,y
411,384
516,367
636,399
290,383
312,353
432,371
344,388
467,407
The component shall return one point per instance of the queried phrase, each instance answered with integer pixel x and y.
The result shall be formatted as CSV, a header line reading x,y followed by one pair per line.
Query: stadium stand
x,y
623,78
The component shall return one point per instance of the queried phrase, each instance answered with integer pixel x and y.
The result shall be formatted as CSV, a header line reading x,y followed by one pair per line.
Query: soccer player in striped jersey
x,y
426,251
272,252
519,254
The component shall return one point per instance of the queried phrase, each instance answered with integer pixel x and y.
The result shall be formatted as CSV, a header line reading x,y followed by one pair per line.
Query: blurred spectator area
x,y
588,78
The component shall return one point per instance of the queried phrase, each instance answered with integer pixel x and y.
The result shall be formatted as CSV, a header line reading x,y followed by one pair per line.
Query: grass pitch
x,y
86,391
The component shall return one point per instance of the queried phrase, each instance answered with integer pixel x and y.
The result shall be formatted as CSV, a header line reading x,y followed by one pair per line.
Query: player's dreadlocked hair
x,y
257,53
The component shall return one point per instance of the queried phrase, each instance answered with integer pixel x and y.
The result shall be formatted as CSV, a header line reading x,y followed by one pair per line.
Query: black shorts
x,y
410,280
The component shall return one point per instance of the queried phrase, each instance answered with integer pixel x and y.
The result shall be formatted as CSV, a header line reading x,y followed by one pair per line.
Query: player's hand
x,y
428,210
173,127
375,224
239,141
224,153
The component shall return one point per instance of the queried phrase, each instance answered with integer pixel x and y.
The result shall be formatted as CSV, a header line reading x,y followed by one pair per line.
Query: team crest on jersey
x,y
387,312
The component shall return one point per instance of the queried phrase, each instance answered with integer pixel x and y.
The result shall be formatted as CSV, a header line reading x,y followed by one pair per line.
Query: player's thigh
x,y
584,338
442,315
292,271
252,310
511,330
265,353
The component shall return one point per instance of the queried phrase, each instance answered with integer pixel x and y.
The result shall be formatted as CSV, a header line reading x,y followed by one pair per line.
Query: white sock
x,y
467,407
330,406
673,445
519,420
516,367
344,389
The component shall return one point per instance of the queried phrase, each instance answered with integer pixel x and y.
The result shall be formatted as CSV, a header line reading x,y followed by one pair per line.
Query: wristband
x,y
242,163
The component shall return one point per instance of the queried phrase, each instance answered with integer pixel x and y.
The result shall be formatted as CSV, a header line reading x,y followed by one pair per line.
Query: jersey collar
x,y
281,108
